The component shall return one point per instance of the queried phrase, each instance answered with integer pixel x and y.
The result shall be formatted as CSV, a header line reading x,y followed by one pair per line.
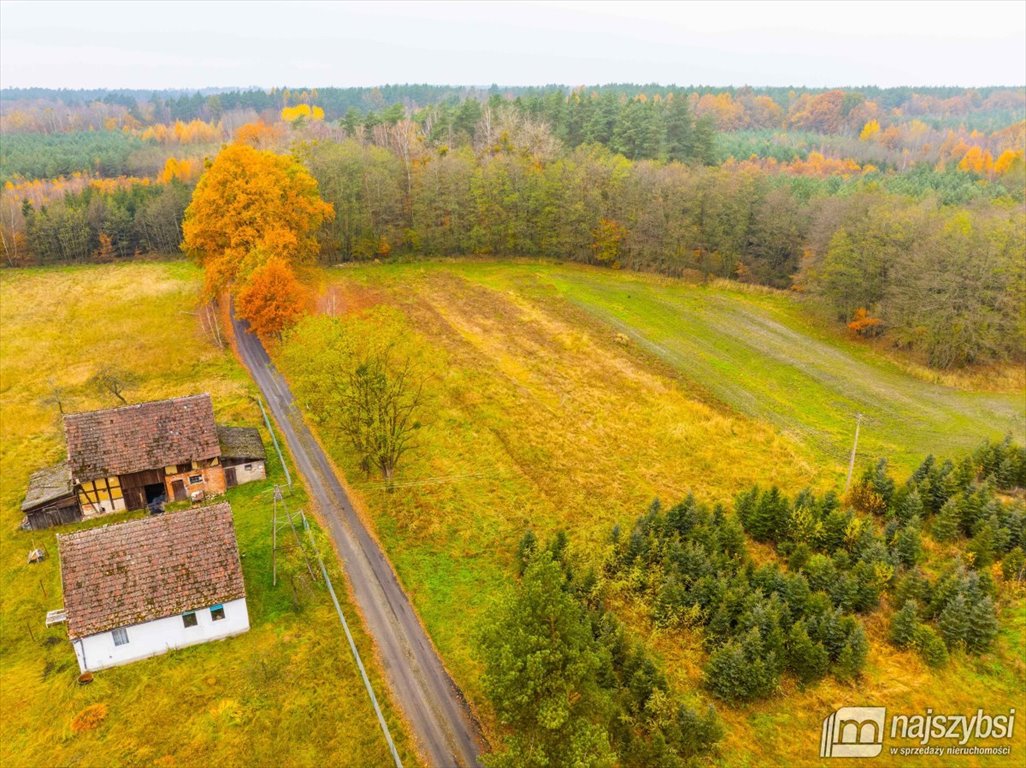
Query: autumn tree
x,y
272,299
248,207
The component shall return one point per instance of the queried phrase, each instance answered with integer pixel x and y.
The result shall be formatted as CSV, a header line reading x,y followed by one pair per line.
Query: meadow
x,y
285,693
557,397
561,397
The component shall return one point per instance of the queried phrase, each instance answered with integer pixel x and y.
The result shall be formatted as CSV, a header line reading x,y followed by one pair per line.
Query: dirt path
x,y
445,731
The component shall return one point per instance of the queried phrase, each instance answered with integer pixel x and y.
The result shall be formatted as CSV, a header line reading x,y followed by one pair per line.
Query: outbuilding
x,y
139,456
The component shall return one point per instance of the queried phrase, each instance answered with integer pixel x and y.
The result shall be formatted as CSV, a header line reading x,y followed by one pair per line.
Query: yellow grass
x,y
538,417
285,693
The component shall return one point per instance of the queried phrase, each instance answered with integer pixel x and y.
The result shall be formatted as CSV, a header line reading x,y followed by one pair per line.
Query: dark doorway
x,y
155,498
229,477
178,486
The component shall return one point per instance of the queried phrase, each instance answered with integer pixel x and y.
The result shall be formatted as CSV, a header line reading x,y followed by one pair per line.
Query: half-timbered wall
x,y
100,496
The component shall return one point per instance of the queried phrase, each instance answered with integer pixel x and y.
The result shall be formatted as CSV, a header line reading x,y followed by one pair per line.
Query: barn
x,y
141,588
139,455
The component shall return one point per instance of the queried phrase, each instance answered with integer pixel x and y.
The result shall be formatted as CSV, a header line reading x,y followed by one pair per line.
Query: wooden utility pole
x,y
854,448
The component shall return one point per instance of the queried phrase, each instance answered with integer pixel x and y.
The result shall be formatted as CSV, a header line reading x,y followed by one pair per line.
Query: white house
x,y
142,588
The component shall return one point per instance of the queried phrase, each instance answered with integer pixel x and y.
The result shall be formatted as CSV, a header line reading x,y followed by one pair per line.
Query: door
x,y
178,487
229,477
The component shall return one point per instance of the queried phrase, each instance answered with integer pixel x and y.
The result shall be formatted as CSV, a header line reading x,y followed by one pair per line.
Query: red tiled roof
x,y
129,573
134,438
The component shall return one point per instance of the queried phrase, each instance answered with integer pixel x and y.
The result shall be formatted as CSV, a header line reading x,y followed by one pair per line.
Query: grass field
x,y
285,693
759,352
563,397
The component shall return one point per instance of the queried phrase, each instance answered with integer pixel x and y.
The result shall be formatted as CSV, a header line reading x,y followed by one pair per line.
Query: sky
x,y
208,44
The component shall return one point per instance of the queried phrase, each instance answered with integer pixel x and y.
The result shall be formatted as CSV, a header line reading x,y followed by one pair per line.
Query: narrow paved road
x,y
446,732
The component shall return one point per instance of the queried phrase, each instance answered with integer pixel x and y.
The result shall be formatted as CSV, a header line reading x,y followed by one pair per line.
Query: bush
x,y
930,646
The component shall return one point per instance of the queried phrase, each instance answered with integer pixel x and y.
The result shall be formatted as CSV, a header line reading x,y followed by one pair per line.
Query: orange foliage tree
x,y
864,324
181,170
272,299
249,206
304,112
258,134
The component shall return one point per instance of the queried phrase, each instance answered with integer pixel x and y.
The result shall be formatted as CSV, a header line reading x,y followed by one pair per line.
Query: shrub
x,y
930,646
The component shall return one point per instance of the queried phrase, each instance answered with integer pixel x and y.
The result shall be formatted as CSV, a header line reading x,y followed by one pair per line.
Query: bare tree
x,y
114,381
378,414
57,396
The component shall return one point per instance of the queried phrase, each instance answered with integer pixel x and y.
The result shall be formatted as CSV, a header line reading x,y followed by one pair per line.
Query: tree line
x,y
98,224
170,105
944,280
883,252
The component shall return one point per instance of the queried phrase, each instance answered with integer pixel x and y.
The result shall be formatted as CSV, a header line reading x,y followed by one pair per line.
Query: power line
x,y
331,589
352,647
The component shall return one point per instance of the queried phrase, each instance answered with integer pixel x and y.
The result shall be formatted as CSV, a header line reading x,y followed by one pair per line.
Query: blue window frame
x,y
216,612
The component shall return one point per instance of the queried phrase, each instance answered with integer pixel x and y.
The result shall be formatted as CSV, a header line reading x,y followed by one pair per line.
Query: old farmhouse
x,y
142,588
131,457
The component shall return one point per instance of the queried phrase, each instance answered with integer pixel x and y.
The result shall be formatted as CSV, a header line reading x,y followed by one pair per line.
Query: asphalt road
x,y
446,732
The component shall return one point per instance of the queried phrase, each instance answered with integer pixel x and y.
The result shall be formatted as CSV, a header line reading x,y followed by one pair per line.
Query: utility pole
x,y
854,448
275,525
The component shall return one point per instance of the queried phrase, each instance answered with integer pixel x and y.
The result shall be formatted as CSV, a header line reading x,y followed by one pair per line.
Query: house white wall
x,y
256,471
159,636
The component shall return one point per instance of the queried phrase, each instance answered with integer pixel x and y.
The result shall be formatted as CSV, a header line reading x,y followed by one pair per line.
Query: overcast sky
x,y
194,44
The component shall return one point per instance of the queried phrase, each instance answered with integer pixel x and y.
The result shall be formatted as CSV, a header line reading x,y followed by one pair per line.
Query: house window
x,y
216,612
189,619
249,467
120,636
193,479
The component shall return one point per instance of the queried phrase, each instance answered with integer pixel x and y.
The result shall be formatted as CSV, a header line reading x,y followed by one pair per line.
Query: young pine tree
x,y
904,624
946,524
954,621
908,547
807,660
983,625
853,655
930,646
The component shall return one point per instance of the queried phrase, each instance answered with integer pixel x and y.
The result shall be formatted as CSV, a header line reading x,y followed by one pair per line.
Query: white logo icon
x,y
853,732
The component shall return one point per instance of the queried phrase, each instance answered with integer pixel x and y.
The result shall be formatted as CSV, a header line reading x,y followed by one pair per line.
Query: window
x,y
216,612
249,467
120,636
189,619
193,479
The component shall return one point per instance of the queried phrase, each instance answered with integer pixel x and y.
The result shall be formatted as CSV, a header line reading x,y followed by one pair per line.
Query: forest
x,y
897,211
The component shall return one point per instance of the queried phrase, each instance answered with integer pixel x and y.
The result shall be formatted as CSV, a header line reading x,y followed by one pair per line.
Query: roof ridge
x,y
153,519
128,406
